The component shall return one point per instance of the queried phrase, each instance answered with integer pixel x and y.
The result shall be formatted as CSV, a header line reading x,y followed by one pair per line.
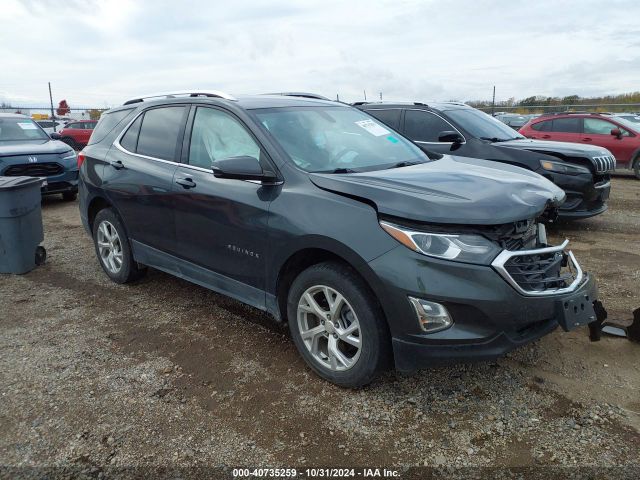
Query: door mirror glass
x,y
450,136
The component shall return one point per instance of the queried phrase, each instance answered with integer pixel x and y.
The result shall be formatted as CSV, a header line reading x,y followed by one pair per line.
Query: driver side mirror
x,y
616,132
242,168
55,136
450,136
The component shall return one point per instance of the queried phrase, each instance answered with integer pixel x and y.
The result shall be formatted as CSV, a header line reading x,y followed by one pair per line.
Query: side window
x,y
596,126
159,132
130,139
542,126
566,125
216,135
72,125
107,123
424,126
89,125
390,117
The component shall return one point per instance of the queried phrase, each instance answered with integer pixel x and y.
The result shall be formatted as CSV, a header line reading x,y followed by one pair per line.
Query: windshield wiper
x,y
496,139
337,170
404,164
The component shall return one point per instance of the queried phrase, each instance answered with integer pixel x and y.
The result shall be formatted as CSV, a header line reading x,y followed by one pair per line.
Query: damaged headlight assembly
x,y
561,167
467,248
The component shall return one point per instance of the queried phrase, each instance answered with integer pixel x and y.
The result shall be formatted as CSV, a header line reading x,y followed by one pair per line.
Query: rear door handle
x,y
546,136
117,164
587,139
186,182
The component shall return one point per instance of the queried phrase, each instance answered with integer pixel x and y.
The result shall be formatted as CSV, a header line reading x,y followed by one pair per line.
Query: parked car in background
x,y
312,210
582,171
76,134
618,135
26,150
48,125
629,117
513,120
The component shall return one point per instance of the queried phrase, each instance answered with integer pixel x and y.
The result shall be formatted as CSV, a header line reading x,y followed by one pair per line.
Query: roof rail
x,y
314,96
188,93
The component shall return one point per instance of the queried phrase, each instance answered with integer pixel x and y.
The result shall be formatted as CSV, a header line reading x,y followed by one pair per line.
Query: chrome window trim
x,y
499,262
441,118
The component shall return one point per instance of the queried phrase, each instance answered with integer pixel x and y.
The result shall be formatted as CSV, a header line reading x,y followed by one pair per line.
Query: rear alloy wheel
x,y
113,249
337,325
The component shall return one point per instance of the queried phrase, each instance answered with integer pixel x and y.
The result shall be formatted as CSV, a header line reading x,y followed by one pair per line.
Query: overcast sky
x,y
98,53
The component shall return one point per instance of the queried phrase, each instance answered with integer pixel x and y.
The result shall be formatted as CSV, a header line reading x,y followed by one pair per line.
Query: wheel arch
x,y
314,250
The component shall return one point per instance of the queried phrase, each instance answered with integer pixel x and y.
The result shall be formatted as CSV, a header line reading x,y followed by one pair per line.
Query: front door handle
x,y
186,182
117,164
546,136
587,139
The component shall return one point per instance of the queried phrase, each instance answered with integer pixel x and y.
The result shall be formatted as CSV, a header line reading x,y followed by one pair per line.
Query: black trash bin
x,y
20,224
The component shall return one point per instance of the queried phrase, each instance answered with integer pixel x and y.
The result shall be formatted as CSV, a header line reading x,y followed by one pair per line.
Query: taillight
x,y
81,159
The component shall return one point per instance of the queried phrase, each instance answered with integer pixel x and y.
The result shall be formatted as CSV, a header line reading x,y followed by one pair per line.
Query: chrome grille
x,y
541,271
604,163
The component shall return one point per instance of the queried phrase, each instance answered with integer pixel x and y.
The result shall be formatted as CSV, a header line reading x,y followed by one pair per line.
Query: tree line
x,y
541,103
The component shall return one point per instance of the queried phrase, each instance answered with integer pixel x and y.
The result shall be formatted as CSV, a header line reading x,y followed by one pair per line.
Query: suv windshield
x,y
337,139
481,125
20,129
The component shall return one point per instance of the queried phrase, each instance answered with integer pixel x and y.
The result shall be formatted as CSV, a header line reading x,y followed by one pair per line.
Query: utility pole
x,y
380,96
493,102
365,95
51,102
337,97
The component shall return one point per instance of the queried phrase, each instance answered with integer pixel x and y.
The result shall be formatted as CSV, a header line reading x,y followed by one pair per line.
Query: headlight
x,y
68,155
460,248
561,167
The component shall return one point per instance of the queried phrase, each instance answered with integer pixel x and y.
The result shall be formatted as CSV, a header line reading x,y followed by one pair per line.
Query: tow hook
x,y
600,325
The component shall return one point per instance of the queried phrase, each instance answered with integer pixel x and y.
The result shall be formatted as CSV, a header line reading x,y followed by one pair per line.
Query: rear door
x,y
139,175
565,129
597,131
84,133
221,224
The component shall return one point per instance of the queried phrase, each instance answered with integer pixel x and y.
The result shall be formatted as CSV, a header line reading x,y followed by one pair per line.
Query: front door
x,y
221,224
424,128
597,131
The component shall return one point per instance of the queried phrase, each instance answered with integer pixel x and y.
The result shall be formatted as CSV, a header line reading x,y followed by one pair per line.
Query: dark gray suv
x,y
374,253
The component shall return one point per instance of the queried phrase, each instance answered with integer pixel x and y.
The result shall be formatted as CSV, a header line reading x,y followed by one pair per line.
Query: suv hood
x,y
33,147
563,148
453,190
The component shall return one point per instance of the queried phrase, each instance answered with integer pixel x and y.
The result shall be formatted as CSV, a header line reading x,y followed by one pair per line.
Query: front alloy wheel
x,y
329,328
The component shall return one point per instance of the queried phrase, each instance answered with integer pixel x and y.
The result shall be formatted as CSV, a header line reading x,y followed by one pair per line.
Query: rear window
x,y
566,125
107,123
542,126
390,117
159,132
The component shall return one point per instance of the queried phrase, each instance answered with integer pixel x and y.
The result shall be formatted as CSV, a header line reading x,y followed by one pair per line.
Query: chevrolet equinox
x,y
375,252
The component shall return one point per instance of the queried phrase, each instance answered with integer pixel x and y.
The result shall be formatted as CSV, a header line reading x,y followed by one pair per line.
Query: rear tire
x,y
346,339
113,248
636,166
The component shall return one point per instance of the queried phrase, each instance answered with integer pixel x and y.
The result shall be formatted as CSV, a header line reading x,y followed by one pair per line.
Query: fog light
x,y
432,316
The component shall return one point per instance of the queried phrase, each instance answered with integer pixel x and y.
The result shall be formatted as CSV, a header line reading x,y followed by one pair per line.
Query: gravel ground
x,y
163,373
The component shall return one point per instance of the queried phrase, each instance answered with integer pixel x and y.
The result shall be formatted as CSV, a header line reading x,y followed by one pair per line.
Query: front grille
x,y
604,163
34,170
542,271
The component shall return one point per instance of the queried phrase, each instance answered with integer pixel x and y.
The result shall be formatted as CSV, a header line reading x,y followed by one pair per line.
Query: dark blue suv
x,y
374,252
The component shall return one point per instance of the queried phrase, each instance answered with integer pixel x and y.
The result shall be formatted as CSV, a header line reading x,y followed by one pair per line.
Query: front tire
x,y
69,196
337,325
636,167
113,248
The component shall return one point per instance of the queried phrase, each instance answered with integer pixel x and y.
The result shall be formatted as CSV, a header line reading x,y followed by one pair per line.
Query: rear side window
x,y
107,123
130,139
390,117
542,126
423,126
159,132
566,125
